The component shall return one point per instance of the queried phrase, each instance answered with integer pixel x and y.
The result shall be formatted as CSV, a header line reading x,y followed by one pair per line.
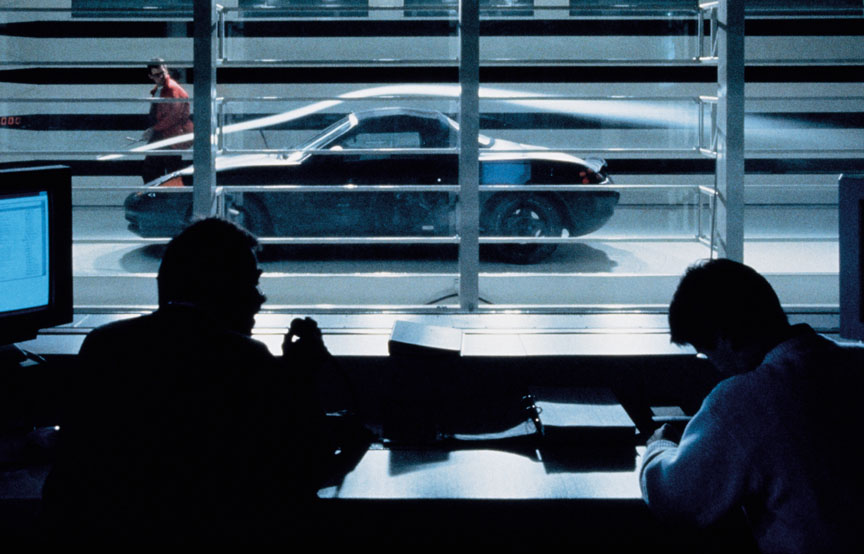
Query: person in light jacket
x,y
778,437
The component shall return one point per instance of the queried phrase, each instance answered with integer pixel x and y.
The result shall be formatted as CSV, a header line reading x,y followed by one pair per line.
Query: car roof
x,y
395,110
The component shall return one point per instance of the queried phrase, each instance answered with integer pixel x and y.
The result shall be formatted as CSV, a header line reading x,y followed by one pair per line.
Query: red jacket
x,y
170,119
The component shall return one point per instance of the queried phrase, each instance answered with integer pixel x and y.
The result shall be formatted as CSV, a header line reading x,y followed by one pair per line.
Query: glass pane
x,y
339,151
595,194
601,79
75,91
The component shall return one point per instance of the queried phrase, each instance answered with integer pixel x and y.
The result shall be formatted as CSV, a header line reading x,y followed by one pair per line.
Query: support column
x,y
204,107
469,151
729,236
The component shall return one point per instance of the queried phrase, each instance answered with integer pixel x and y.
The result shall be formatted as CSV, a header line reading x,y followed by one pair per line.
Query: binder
x,y
583,416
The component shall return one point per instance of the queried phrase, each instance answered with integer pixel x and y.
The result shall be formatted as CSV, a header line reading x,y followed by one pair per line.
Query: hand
x,y
667,432
147,135
304,342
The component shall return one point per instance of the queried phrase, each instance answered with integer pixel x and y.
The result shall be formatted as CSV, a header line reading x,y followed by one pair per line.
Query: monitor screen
x,y
35,251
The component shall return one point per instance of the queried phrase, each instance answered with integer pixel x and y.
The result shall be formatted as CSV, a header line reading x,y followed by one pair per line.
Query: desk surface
x,y
408,474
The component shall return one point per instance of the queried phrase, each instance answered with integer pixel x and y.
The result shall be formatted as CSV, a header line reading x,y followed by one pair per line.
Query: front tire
x,y
252,216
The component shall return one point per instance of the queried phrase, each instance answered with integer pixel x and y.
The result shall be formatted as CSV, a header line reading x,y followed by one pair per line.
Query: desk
x,y
394,474
398,498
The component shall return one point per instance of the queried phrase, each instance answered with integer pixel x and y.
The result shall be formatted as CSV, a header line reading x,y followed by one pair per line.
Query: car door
x,y
384,161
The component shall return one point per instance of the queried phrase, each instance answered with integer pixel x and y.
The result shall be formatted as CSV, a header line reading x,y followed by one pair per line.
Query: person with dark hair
x,y
166,120
180,425
777,437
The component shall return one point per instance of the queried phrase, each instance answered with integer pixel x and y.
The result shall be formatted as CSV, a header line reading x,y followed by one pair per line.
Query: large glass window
x,y
338,144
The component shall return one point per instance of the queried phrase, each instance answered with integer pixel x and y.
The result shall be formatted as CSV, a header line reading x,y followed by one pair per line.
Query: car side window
x,y
438,135
383,139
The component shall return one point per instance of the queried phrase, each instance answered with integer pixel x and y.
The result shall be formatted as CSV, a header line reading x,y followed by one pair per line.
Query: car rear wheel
x,y
525,216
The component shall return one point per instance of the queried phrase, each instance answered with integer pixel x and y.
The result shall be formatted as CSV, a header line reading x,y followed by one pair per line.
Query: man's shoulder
x,y
158,331
115,329
173,89
156,345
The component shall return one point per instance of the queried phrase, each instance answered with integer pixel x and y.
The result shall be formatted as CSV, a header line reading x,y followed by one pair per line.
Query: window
x,y
595,189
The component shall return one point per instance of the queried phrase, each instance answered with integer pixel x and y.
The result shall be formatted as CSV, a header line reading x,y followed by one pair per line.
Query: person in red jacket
x,y
167,119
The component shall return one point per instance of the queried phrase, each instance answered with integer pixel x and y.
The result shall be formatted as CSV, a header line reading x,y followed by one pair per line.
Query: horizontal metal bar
x,y
356,151
184,15
389,97
806,62
578,187
856,151
359,240
120,100
290,240
92,153
384,240
805,98
824,238
130,188
97,64
122,240
229,189
580,240
490,62
659,10
222,189
454,309
448,62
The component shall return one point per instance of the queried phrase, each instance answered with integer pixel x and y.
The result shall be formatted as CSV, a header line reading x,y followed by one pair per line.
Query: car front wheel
x,y
252,216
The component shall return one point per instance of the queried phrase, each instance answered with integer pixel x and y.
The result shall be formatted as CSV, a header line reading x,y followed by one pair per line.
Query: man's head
x,y
157,71
212,264
728,312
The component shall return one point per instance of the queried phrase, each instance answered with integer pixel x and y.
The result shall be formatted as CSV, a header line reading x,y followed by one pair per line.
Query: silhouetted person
x,y
180,425
778,437
166,120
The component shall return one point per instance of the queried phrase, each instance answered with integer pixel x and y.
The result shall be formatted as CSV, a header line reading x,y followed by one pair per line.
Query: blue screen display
x,y
24,272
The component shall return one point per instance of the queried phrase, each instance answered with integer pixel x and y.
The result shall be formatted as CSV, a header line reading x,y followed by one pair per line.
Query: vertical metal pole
x,y
730,127
204,106
469,151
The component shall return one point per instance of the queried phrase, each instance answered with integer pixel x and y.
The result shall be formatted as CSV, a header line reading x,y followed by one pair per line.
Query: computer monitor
x,y
851,201
35,250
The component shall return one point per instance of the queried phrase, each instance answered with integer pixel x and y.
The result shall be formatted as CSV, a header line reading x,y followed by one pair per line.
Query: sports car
x,y
389,149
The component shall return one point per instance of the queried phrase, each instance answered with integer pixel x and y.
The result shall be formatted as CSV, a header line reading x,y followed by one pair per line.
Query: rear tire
x,y
525,216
